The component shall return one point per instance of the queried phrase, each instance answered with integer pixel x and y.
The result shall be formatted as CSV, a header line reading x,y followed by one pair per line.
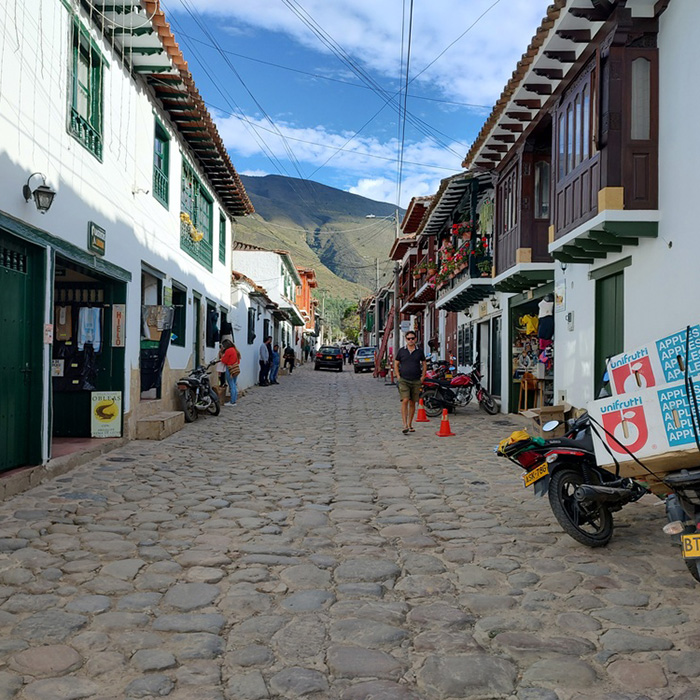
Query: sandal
x,y
405,431
411,430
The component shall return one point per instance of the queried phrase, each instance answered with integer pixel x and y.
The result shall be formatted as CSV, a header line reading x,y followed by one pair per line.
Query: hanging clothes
x,y
63,323
529,323
212,327
90,327
545,329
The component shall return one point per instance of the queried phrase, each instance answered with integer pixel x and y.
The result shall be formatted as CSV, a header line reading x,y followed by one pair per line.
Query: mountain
x,y
323,228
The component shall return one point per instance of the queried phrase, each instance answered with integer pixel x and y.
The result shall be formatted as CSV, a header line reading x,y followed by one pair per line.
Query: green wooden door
x,y
21,366
609,323
196,328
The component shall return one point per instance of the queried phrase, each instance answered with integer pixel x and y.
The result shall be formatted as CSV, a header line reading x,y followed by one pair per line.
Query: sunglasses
x,y
410,337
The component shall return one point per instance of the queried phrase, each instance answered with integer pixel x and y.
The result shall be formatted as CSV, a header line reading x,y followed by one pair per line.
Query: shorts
x,y
409,389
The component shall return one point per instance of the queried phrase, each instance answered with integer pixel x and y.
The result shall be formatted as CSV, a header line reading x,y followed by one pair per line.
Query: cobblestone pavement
x,y
301,546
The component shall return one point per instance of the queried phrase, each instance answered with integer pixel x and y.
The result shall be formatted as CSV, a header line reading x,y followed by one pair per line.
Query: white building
x,y
98,105
252,318
274,270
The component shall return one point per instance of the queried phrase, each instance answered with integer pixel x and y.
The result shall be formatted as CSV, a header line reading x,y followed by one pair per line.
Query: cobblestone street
x,y
301,546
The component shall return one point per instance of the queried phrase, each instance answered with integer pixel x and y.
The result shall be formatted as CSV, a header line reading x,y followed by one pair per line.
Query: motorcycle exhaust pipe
x,y
602,494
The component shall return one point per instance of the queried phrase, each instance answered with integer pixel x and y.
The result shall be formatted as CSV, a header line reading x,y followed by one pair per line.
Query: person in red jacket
x,y
231,359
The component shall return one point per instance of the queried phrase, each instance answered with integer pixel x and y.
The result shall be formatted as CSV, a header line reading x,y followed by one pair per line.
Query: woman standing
x,y
275,367
231,359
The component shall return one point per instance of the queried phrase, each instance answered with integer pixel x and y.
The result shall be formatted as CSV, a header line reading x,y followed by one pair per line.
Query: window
x,y
161,153
509,201
222,238
86,117
252,315
641,100
573,119
212,334
196,218
266,328
180,316
541,189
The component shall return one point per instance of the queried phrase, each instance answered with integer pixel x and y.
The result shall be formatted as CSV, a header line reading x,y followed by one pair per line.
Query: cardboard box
x,y
221,393
660,362
540,416
655,424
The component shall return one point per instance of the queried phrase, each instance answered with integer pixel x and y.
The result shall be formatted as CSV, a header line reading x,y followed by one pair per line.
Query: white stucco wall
x,y
661,285
116,193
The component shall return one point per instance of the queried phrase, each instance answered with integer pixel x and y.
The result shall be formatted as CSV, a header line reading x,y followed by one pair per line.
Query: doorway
x,y
609,324
22,275
88,352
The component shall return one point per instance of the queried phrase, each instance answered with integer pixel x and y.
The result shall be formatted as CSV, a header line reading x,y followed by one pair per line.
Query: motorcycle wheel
x,y
432,404
488,403
694,568
214,408
592,524
188,405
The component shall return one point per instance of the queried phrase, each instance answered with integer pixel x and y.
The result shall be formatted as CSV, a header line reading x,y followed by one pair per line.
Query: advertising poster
x,y
106,414
118,325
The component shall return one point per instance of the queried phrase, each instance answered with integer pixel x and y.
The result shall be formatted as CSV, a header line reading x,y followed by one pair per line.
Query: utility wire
x,y
405,106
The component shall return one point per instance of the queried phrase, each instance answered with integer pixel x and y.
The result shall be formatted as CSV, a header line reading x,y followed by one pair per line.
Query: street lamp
x,y
43,194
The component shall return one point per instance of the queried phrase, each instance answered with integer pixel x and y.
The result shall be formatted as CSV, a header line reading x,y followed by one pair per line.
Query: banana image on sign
x,y
106,414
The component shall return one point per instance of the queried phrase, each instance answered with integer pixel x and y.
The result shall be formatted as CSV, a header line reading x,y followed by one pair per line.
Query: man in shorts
x,y
409,368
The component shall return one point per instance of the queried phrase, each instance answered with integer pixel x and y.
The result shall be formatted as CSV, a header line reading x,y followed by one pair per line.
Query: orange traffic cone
x,y
445,430
422,417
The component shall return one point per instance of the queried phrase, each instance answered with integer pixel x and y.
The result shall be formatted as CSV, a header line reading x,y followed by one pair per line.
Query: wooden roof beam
x,y
578,36
528,104
550,73
561,56
520,116
539,88
512,127
504,138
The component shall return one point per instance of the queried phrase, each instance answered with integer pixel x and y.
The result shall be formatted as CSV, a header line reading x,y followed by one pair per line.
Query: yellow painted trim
x,y
523,255
551,234
611,198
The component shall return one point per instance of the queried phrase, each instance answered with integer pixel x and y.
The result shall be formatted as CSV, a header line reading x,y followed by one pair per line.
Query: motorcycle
x,y
582,495
439,393
196,394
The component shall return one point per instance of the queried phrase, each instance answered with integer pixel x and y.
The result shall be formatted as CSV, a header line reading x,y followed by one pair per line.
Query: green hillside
x,y
323,228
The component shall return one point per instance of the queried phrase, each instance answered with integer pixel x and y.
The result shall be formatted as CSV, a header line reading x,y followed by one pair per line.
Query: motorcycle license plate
x,y
536,474
690,546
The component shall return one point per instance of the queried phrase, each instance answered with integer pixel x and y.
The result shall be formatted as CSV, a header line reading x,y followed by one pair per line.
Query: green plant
x,y
484,265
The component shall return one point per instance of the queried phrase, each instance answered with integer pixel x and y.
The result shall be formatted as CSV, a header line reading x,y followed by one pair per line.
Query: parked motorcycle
x,y
439,393
582,495
196,394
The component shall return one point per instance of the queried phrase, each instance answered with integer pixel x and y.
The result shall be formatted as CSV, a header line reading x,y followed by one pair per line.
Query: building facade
x,y
122,284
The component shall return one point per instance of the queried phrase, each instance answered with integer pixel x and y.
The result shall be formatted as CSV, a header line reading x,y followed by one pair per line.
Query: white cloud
x,y
254,173
474,70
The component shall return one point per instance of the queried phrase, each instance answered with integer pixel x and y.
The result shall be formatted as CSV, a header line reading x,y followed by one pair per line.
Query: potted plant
x,y
484,266
382,367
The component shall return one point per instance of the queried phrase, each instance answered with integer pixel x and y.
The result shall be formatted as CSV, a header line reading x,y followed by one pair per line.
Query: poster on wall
x,y
560,297
106,414
118,325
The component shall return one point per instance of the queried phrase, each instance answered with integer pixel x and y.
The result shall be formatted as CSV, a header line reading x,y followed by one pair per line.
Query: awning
x,y
471,292
524,276
293,315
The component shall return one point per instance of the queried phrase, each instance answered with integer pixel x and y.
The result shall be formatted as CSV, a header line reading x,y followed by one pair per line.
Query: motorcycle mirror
x,y
550,425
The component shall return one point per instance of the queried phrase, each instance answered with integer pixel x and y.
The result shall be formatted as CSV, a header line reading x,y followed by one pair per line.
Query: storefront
x,y
531,332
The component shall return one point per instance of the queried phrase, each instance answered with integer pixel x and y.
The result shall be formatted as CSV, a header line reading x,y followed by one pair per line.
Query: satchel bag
x,y
234,370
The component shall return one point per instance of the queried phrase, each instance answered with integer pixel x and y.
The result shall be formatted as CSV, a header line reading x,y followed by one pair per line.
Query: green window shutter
x,y
161,164
86,100
196,204
222,239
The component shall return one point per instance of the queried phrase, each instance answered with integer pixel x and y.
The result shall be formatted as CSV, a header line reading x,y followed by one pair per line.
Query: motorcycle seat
x,y
585,443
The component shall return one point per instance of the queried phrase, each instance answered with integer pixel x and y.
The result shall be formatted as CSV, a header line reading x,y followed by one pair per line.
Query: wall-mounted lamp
x,y
43,194
562,265
259,313
495,302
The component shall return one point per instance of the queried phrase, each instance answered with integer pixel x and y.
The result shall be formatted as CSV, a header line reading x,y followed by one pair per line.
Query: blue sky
x,y
285,103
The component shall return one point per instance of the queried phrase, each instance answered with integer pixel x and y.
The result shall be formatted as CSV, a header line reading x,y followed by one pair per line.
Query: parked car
x,y
330,357
364,359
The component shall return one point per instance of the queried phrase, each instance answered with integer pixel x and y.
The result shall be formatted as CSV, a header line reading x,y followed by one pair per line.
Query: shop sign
x,y
406,326
97,238
167,296
48,333
483,308
118,325
57,368
106,414
560,297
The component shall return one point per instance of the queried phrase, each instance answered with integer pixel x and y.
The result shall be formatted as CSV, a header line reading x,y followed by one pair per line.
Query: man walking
x,y
265,361
409,368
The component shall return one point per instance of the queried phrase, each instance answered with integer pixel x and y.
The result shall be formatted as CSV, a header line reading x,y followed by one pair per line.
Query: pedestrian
x,y
307,350
275,364
232,361
264,360
351,354
345,354
289,358
409,368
